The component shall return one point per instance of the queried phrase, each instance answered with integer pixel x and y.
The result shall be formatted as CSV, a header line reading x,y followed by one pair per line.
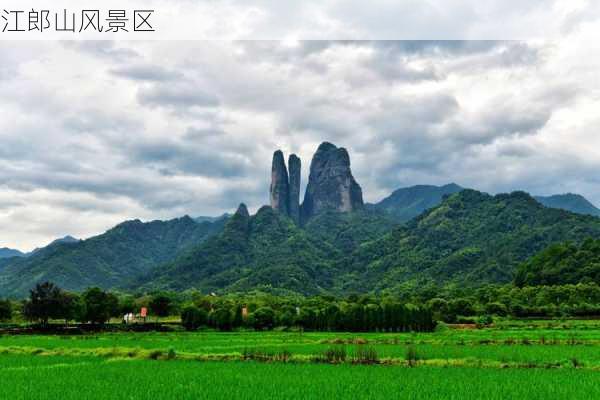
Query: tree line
x,y
228,314
47,302
413,308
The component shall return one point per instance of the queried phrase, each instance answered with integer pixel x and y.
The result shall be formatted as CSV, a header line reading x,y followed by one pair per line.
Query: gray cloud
x,y
102,48
145,72
176,95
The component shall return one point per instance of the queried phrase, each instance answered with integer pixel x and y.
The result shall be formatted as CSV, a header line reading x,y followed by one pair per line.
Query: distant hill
x,y
212,219
406,203
5,252
570,202
108,260
67,239
470,238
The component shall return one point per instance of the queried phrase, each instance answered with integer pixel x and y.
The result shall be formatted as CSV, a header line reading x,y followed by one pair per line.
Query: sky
x,y
95,133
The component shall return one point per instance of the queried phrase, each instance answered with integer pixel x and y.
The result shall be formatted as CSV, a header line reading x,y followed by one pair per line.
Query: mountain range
x,y
330,243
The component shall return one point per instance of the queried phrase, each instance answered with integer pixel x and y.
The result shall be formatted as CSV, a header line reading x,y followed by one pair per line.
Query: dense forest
x,y
562,263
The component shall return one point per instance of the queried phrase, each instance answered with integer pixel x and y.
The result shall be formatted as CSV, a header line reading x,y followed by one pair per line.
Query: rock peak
x,y
326,146
331,185
242,210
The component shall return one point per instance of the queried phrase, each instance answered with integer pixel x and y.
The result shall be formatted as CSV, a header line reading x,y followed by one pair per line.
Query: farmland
x,y
542,359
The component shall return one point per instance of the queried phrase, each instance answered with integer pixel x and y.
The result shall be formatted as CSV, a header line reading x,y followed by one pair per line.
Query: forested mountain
x,y
268,250
471,238
406,203
5,252
66,239
571,202
562,263
108,260
7,260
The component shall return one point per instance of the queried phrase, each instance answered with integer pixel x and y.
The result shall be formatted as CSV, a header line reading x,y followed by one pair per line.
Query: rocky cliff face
x,y
331,185
294,165
279,184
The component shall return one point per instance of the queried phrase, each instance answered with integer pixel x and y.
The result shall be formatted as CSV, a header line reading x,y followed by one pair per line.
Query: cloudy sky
x,y
94,133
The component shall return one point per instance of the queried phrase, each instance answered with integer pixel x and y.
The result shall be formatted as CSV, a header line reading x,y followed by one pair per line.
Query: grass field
x,y
512,360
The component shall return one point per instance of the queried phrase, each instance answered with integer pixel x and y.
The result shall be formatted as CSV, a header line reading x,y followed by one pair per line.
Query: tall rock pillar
x,y
331,185
294,166
279,184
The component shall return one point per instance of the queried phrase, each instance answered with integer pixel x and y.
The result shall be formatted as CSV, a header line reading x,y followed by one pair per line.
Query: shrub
x,y
484,320
335,354
411,356
366,355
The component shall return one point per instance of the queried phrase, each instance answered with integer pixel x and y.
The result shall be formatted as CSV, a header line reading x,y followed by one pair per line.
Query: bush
x,y
484,320
193,317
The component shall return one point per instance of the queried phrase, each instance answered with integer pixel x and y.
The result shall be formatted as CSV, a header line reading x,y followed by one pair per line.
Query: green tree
x,y
161,305
193,317
71,306
462,307
263,318
45,302
238,318
221,318
99,306
127,304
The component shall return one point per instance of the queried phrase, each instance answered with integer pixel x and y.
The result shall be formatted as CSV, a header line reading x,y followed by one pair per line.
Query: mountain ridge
x,y
6,252
108,260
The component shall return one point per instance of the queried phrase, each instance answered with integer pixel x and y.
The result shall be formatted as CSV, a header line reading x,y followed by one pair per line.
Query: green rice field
x,y
536,360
